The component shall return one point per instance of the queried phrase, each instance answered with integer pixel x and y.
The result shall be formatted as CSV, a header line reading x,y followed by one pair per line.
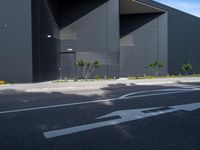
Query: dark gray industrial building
x,y
42,39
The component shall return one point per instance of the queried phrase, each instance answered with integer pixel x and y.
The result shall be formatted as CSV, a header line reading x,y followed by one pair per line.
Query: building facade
x,y
42,40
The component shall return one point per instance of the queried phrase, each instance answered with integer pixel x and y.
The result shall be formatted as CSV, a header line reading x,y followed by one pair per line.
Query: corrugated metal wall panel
x,y
93,33
15,41
46,60
141,45
183,38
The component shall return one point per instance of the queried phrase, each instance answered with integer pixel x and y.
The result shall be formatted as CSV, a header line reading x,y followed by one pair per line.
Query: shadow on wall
x,y
65,9
131,22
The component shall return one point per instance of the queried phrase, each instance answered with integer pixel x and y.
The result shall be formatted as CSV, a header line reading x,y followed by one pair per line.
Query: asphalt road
x,y
115,118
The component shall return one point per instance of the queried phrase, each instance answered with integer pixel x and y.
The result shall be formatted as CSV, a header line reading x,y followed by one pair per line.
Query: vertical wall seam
x,y
107,37
39,34
119,48
158,39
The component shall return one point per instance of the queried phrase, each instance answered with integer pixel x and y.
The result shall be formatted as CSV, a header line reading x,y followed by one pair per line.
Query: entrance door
x,y
68,65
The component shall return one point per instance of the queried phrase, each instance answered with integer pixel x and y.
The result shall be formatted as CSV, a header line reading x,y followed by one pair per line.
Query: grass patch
x,y
167,76
97,78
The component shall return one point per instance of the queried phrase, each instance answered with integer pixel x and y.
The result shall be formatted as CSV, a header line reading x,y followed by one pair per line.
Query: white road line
x,y
188,86
97,101
162,90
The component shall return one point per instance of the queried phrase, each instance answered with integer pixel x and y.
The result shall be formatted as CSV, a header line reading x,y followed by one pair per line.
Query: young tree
x,y
88,67
186,68
155,67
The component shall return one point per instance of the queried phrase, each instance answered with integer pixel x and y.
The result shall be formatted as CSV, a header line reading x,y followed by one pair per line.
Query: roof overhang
x,y
136,7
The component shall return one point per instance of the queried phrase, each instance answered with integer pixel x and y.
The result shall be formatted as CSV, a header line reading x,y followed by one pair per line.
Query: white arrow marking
x,y
125,116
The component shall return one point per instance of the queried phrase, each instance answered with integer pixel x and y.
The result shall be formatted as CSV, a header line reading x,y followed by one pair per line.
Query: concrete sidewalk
x,y
89,85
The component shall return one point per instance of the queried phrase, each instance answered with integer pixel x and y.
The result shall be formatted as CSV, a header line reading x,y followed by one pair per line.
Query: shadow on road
x,y
28,128
14,99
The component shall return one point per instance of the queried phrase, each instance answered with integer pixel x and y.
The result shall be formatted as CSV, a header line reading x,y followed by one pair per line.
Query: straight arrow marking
x,y
125,116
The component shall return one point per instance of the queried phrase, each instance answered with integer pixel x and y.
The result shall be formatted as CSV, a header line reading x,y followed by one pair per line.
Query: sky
x,y
189,6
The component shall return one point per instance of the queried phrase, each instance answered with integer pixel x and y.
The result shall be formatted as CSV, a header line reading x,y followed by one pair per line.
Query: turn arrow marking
x,y
124,116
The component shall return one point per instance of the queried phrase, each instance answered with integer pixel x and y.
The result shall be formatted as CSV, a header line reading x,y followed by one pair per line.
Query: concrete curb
x,y
81,86
91,87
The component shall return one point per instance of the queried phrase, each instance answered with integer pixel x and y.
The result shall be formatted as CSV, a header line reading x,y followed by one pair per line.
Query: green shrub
x,y
75,79
97,77
195,75
131,78
2,82
110,78
186,68
150,77
155,67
